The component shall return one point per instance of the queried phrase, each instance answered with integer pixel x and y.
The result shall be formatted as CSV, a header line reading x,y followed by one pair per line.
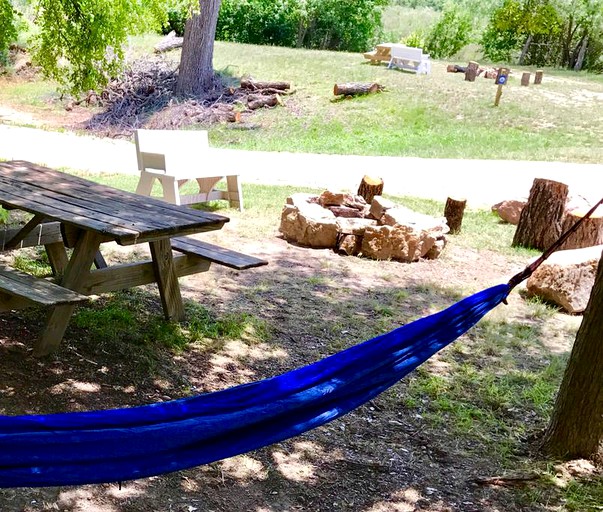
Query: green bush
x,y
415,40
319,24
177,12
450,34
8,34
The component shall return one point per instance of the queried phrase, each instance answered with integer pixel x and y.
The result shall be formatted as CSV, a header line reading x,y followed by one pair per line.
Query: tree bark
x,y
525,79
454,211
247,83
370,187
576,427
471,71
354,88
524,50
581,53
196,73
588,234
541,219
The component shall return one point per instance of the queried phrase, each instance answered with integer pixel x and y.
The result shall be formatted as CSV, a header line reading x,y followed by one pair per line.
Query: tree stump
x,y
525,79
355,88
370,187
588,234
538,77
454,211
541,219
471,71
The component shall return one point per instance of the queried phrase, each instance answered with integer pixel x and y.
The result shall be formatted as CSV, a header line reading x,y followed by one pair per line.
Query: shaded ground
x,y
389,455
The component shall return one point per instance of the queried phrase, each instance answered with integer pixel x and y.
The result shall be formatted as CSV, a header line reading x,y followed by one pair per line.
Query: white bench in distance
x,y
176,156
410,59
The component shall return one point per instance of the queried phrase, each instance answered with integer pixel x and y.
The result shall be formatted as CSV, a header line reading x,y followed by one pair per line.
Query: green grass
x,y
439,115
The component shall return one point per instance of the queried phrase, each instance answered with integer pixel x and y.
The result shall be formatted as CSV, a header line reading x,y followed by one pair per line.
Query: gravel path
x,y
482,182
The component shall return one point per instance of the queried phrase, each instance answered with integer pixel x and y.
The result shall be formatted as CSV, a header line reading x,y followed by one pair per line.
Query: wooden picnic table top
x,y
122,216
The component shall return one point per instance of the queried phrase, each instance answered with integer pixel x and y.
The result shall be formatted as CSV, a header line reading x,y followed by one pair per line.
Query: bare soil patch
x,y
384,456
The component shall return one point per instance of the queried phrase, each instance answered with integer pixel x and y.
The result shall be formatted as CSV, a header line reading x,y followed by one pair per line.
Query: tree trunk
x,y
576,427
454,211
471,71
196,73
588,234
353,88
524,50
581,53
525,78
542,217
370,187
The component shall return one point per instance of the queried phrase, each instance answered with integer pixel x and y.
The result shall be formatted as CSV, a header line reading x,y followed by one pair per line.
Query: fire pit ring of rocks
x,y
344,222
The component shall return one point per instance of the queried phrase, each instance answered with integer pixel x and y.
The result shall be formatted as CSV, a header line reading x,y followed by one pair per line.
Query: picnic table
x,y
72,212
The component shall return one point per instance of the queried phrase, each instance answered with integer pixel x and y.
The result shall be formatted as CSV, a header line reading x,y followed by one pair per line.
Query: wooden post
x,y
525,79
370,186
471,71
501,79
541,219
454,211
538,77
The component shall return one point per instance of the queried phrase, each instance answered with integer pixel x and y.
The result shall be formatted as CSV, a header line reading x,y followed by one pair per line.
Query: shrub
x,y
450,34
415,40
321,24
177,12
8,34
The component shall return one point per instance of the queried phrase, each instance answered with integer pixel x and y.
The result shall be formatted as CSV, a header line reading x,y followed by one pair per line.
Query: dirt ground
x,y
382,457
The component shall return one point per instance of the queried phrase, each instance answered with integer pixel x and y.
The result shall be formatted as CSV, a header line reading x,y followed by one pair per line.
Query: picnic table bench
x,y
409,59
69,211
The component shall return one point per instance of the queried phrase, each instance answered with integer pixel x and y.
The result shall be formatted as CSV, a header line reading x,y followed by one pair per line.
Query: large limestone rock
x,y
401,243
401,216
567,278
510,209
309,225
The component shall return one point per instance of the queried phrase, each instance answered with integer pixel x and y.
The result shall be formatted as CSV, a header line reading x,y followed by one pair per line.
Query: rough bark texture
x,y
370,187
196,73
354,88
588,234
538,77
576,427
541,219
247,83
454,211
525,79
471,71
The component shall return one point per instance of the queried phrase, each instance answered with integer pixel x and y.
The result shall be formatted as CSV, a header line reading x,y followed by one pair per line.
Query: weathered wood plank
x,y
129,275
36,289
167,280
43,234
216,254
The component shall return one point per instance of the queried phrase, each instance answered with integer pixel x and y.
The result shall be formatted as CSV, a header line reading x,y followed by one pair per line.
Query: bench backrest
x,y
153,146
399,51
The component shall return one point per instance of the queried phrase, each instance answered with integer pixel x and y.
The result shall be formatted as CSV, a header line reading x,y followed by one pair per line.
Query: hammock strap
x,y
529,270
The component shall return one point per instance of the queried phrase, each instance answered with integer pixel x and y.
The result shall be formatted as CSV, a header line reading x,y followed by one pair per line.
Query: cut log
x,y
248,83
355,88
370,187
525,79
169,42
471,71
453,68
590,233
541,219
454,211
538,77
255,101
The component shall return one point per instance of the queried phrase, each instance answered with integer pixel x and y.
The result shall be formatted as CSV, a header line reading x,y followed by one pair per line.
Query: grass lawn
x,y
439,115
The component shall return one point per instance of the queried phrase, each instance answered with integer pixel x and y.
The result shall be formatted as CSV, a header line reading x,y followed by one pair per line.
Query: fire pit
x,y
344,222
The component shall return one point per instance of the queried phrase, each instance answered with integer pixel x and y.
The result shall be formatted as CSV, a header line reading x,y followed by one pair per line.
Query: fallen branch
x,y
507,481
169,42
248,83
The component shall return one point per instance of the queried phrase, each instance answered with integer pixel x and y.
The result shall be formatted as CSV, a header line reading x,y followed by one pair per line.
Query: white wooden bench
x,y
175,157
409,59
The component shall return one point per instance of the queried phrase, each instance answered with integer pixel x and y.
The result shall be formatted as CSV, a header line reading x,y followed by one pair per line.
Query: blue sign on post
x,y
501,77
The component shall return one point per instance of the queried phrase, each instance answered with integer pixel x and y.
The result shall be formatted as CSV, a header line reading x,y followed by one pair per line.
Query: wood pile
x,y
143,96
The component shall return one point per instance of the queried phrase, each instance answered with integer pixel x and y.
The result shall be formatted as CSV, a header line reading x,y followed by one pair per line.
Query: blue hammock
x,y
123,444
